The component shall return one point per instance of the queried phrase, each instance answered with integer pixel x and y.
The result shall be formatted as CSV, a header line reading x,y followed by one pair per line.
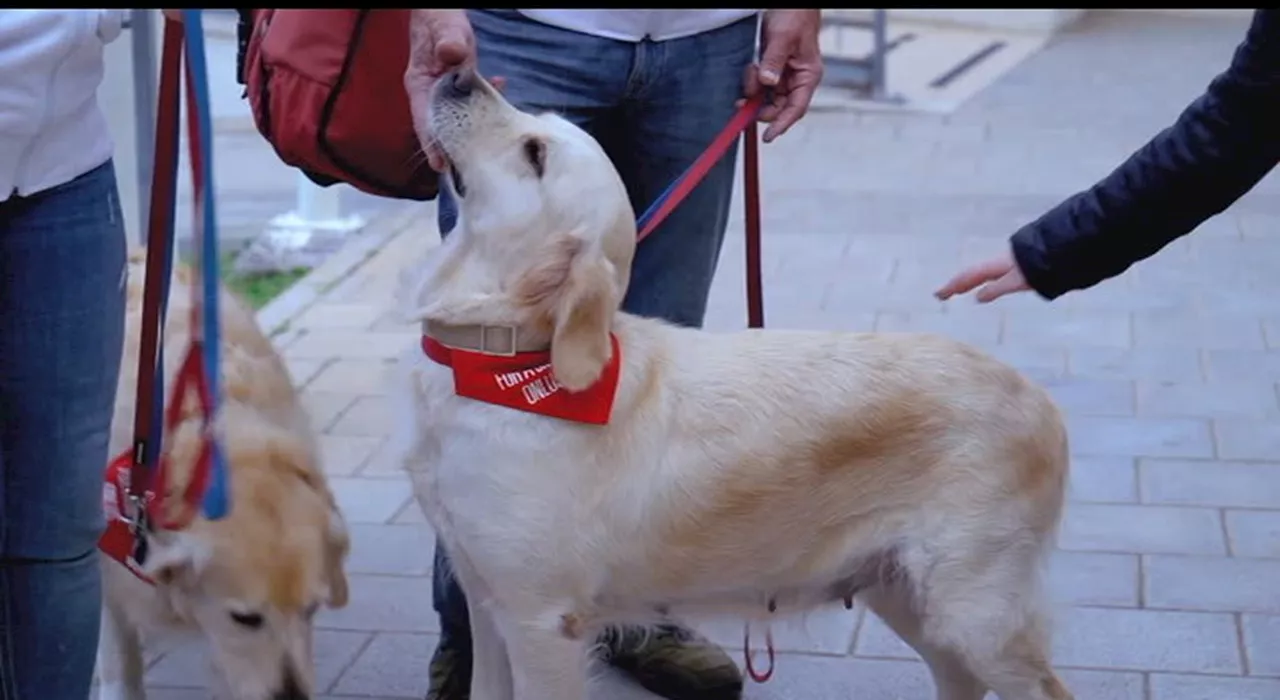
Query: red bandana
x,y
524,382
118,541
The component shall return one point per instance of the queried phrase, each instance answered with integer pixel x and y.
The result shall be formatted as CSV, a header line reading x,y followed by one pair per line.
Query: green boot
x,y
674,663
450,672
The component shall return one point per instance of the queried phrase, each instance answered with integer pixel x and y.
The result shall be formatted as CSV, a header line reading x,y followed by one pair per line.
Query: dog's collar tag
x,y
524,381
120,540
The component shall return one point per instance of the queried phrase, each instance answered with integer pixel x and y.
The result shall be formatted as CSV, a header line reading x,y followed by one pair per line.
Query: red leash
x,y
137,482
743,123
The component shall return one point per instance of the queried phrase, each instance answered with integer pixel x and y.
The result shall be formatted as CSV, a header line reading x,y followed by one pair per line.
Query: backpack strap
x,y
244,30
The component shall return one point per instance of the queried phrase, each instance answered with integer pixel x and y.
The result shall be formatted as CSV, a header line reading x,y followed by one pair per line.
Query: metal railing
x,y
865,75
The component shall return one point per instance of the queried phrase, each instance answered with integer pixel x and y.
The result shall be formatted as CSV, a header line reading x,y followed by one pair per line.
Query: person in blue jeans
x,y
62,303
654,87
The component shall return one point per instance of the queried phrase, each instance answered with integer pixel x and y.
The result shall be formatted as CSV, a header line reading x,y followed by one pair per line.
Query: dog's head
x,y
253,581
546,231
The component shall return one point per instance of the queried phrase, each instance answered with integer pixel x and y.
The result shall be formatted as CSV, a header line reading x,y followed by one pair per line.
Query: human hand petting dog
x,y
439,41
790,64
998,276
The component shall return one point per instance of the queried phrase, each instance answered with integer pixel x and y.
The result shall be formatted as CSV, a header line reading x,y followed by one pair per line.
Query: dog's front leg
x,y
491,668
120,668
545,664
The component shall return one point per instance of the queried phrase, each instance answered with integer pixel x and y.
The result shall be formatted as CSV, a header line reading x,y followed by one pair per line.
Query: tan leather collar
x,y
491,340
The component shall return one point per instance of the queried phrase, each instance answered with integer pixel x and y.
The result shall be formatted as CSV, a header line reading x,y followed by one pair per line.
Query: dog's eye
x,y
535,152
250,620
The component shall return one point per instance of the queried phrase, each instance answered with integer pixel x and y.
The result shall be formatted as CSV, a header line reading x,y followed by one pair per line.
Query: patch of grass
x,y
259,289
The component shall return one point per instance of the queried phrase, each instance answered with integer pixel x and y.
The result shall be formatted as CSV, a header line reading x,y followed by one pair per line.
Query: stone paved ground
x,y
1170,551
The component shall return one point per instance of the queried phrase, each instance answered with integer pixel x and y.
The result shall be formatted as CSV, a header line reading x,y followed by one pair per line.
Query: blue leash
x,y
216,502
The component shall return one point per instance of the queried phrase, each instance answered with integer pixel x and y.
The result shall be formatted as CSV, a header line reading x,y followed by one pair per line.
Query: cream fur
x,y
280,551
737,469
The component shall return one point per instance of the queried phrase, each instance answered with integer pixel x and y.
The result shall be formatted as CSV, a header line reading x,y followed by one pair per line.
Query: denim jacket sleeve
x,y
1220,147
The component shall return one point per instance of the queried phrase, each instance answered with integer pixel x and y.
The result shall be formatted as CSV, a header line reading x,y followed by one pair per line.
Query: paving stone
x,y
386,463
397,550
1141,529
1209,483
1074,328
1196,583
1139,437
352,377
1154,364
367,416
1103,685
1248,439
1103,480
352,344
1254,533
1088,578
1243,365
329,315
1261,634
1183,687
1180,329
369,500
828,678
984,330
1038,364
344,455
411,514
1113,638
1217,399
384,604
324,407
1094,397
189,665
392,665
301,371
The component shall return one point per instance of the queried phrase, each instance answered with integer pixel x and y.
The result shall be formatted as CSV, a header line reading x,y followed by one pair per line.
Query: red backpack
x,y
327,91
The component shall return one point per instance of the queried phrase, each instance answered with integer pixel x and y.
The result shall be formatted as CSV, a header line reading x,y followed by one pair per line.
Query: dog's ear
x,y
573,283
337,545
176,558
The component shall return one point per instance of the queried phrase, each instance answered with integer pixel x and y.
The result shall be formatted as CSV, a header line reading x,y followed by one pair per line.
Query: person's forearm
x,y
1219,148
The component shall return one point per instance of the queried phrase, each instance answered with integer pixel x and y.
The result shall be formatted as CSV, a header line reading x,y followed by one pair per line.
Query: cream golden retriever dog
x,y
250,583
739,473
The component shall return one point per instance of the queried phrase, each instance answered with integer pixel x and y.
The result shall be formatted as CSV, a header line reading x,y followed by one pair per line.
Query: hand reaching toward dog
x,y
439,41
790,64
998,277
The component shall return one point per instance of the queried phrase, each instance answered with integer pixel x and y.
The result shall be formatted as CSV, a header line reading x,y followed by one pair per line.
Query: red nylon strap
x,y
743,122
160,223
751,206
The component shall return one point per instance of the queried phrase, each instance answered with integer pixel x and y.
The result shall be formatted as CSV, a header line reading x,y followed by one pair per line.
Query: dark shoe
x,y
450,672
675,663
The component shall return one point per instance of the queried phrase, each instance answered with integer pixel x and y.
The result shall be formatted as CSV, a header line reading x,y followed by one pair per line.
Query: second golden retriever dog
x,y
682,472
250,583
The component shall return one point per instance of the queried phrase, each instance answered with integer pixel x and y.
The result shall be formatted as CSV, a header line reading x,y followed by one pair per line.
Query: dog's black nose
x,y
291,690
461,82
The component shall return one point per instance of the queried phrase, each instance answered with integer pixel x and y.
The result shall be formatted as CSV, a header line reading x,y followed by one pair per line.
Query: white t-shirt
x,y
636,25
51,128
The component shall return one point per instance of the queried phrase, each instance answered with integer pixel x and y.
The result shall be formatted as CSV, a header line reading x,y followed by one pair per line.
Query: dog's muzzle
x,y
458,84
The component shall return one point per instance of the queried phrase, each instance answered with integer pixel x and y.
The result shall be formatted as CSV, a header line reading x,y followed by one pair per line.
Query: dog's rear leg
x,y
951,676
993,619
120,667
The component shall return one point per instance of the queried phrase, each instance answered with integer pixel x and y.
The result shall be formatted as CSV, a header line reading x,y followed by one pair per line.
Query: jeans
x,y
654,107
62,301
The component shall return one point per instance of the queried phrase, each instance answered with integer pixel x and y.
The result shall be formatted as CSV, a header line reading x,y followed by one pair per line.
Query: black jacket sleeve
x,y
1220,147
